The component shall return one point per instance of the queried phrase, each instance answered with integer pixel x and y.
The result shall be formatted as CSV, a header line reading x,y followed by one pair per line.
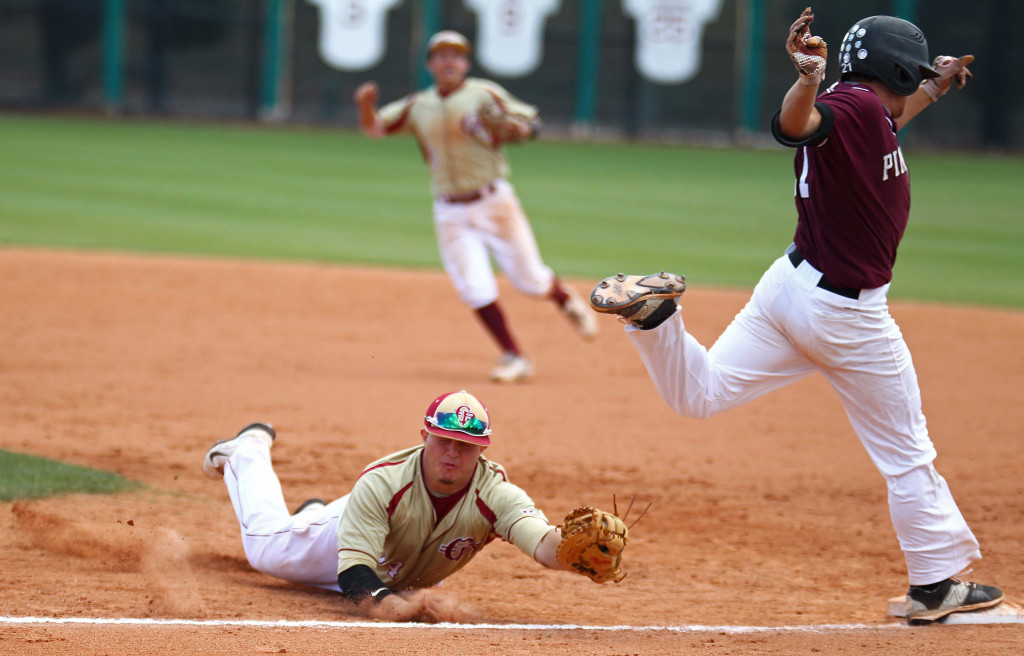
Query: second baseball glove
x,y
592,544
504,127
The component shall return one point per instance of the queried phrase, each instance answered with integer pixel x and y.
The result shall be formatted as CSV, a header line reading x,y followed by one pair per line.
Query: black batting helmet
x,y
890,49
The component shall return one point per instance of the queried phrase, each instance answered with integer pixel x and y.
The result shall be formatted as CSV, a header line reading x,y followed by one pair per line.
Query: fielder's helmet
x,y
450,39
459,416
890,49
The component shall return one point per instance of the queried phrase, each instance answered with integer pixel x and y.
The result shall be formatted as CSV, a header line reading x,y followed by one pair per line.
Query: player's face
x,y
893,102
897,105
448,464
449,66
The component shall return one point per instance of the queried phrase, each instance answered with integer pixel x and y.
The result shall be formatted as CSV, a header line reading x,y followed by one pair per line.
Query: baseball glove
x,y
809,53
504,127
592,544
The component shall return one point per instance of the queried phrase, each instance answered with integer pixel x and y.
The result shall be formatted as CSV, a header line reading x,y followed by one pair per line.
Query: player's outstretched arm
x,y
951,69
799,118
547,550
366,97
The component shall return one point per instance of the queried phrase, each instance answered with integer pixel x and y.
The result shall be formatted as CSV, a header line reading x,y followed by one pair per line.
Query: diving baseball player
x,y
412,519
461,124
822,306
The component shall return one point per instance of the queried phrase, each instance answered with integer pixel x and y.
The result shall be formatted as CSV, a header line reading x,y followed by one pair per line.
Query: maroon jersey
x,y
852,190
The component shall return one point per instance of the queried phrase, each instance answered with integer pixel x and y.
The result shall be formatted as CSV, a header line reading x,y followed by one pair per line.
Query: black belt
x,y
471,197
796,257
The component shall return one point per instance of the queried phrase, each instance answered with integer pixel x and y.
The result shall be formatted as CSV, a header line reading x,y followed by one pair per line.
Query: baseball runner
x,y
822,305
461,124
412,519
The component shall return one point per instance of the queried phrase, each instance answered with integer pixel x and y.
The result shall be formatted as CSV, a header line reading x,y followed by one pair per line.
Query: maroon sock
x,y
558,293
494,321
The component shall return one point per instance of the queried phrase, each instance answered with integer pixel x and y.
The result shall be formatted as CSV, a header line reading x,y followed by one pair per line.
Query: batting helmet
x,y
890,49
459,416
450,39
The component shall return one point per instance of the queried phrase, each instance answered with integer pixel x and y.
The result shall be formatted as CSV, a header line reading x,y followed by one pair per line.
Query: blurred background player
x,y
461,124
822,306
412,519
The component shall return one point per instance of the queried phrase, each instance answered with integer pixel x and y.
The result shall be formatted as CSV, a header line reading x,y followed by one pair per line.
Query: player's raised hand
x,y
950,69
809,53
366,95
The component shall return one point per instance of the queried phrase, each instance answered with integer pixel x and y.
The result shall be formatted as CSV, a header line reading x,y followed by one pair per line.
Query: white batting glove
x,y
949,68
809,53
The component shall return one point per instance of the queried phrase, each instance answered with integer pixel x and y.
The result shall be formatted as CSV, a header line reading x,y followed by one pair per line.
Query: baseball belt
x,y
796,257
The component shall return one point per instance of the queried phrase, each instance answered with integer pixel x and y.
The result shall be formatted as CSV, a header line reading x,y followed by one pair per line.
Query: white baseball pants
x,y
789,329
302,550
470,234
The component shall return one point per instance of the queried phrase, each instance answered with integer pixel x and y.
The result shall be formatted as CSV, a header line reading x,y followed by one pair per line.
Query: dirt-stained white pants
x,y
302,549
470,234
790,329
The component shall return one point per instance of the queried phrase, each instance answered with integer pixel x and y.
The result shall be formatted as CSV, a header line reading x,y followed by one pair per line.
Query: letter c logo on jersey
x,y
459,548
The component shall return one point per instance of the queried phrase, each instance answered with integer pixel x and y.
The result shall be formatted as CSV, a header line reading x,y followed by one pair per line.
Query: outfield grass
x,y
718,215
29,477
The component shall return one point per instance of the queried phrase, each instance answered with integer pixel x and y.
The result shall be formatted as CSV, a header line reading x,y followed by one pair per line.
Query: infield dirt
x,y
768,515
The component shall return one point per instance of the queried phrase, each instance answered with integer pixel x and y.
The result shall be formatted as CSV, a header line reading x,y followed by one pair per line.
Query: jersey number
x,y
802,189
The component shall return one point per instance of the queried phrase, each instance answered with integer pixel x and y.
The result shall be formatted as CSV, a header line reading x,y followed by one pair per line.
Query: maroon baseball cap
x,y
459,416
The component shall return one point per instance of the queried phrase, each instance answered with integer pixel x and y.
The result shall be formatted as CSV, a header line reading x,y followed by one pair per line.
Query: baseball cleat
x,y
306,513
636,298
926,604
512,368
213,463
310,504
580,315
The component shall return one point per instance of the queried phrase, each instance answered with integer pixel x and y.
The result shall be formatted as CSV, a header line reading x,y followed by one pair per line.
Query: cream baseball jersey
x,y
461,153
390,525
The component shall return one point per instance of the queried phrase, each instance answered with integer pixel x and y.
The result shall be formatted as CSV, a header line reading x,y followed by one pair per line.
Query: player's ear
x,y
423,434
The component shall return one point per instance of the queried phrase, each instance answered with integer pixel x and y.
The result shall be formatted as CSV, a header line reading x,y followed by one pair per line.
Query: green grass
x,y
29,477
717,215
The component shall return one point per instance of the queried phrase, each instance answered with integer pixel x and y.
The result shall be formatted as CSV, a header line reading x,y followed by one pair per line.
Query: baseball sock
x,y
494,320
558,293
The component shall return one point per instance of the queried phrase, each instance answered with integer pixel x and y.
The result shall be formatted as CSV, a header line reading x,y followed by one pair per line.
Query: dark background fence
x,y
213,59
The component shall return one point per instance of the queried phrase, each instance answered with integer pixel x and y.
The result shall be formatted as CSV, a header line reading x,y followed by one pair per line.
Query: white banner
x,y
510,34
669,36
353,33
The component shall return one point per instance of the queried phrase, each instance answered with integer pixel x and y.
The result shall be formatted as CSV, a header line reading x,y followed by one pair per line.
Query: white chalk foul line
x,y
317,624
